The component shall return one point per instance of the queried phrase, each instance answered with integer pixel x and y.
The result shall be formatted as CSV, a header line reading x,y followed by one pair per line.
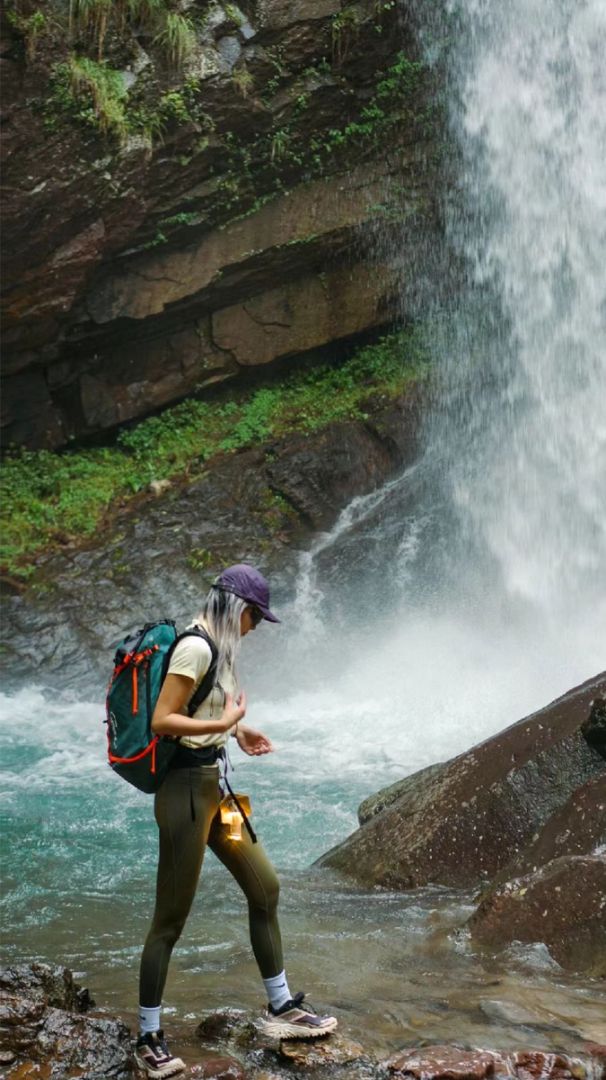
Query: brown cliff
x,y
221,217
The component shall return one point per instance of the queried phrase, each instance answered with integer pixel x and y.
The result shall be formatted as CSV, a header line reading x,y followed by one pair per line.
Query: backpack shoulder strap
x,y
209,679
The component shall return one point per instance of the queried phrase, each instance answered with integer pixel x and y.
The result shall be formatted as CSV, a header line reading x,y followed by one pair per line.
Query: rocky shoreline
x,y
528,809
49,1027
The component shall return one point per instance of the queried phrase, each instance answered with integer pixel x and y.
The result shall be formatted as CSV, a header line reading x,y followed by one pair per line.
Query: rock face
x,y
250,506
525,810
140,268
43,1030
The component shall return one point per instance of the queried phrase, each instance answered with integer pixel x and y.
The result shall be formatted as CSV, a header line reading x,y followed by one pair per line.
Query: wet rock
x,y
578,828
444,1063
374,804
53,986
537,1065
452,1063
594,728
597,1055
321,1053
563,905
317,476
43,1031
219,1067
470,819
228,1026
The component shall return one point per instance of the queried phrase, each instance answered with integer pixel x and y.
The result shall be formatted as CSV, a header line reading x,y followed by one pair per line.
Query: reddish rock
x,y
537,1065
445,1063
452,1063
563,905
320,1053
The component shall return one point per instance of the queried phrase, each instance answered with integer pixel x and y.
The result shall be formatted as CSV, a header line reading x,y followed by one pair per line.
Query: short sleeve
x,y
192,657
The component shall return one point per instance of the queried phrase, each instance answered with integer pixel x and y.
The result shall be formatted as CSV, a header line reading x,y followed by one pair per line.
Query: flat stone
x,y
317,1053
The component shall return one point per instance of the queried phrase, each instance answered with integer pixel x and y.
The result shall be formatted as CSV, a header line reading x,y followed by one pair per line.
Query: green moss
x,y
90,92
49,498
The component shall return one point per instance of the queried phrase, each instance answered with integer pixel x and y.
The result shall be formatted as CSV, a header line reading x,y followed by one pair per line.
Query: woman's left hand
x,y
252,742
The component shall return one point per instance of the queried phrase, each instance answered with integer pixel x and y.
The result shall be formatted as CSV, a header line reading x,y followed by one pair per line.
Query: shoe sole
x,y
296,1031
175,1067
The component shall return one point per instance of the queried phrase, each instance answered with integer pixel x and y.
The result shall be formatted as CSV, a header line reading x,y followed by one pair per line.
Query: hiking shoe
x,y
294,1020
153,1055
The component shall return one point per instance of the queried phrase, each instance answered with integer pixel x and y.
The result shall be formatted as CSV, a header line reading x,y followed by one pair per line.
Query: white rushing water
x,y
473,588
531,484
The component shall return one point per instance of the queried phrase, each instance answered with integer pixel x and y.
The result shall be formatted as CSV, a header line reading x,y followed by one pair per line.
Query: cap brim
x,y
269,615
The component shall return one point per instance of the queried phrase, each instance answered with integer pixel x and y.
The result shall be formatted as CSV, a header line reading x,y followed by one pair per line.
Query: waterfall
x,y
529,480
487,567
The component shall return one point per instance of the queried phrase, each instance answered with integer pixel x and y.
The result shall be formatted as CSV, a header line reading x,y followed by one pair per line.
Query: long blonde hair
x,y
220,615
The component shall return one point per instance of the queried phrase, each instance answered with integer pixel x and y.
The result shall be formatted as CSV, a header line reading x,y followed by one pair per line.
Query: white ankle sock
x,y
149,1019
277,990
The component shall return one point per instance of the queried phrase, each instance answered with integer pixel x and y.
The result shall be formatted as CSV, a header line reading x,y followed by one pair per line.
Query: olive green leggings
x,y
186,809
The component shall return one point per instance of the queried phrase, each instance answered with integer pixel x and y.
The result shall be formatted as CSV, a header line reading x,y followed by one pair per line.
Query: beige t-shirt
x,y
192,657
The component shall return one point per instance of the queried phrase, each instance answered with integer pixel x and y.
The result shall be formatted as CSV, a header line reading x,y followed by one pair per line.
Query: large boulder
x,y
563,905
467,821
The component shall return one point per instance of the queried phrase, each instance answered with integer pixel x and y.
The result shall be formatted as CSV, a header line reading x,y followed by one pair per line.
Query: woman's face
x,y
249,619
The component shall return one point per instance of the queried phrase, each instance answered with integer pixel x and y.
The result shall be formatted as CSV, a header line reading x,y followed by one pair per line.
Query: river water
x,y
467,592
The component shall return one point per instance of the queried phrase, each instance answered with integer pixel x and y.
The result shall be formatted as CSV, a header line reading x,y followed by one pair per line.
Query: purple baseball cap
x,y
249,584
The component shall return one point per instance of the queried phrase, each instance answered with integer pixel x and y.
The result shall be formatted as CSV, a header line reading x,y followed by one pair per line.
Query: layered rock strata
x,y
140,268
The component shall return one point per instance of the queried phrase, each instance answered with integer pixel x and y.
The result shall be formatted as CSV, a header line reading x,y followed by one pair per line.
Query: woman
x,y
187,814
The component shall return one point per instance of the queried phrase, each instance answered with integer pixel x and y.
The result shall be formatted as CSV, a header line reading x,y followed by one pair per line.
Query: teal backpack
x,y
140,666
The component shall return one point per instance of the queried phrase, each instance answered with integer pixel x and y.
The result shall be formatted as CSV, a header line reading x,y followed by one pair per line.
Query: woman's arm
x,y
168,719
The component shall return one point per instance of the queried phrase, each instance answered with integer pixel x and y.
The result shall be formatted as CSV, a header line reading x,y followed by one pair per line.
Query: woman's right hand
x,y
233,710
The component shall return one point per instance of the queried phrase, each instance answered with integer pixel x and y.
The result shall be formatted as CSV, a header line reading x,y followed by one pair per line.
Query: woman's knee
x,y
168,930
266,897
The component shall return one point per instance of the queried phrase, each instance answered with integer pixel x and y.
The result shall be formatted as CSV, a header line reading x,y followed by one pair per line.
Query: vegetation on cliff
x,y
49,498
